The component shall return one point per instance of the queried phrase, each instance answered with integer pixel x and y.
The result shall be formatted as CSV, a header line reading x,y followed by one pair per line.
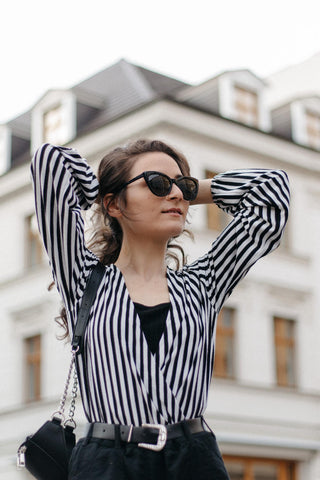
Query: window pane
x,y
224,355
32,364
53,126
246,468
284,337
265,472
289,329
290,366
246,105
235,470
30,345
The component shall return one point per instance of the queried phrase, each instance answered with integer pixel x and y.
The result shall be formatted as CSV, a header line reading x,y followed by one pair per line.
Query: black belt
x,y
152,437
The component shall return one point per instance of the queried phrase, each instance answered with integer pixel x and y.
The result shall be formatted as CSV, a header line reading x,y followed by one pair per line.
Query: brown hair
x,y
113,171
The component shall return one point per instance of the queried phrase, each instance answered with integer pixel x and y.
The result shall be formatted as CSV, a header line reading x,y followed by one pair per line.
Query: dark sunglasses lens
x,y
159,185
189,188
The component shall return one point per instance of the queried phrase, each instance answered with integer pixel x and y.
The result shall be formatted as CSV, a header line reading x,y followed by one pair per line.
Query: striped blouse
x,y
121,381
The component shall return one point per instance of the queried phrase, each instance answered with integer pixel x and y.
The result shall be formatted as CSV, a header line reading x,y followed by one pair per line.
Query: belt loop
x,y
89,434
186,429
204,422
117,436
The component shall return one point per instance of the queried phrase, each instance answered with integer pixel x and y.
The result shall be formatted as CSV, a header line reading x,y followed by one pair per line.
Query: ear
x,y
111,204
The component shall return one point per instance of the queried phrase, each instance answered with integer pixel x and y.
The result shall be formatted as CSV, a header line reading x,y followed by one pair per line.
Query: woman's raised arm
x,y
63,185
258,200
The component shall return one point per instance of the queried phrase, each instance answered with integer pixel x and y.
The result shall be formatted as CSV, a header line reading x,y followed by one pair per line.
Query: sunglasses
x,y
161,185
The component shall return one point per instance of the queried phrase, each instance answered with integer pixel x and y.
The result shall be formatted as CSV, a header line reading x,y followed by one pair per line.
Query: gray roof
x,y
116,91
124,87
107,95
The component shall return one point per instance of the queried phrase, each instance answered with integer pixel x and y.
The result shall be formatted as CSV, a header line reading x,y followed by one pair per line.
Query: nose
x,y
175,192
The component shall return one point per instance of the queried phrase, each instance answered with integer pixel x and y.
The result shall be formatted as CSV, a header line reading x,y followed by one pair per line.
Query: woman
x,y
149,344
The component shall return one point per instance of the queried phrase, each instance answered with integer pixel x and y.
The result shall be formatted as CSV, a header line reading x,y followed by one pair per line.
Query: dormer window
x,y
53,128
246,106
299,120
237,95
313,129
54,119
242,98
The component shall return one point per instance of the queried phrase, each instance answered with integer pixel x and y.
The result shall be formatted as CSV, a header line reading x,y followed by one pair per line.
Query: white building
x,y
264,402
297,80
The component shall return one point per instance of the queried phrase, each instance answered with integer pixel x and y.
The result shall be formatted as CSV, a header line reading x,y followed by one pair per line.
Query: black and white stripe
x,y
121,381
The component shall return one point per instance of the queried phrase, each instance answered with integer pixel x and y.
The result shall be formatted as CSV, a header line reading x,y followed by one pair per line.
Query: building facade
x,y
264,401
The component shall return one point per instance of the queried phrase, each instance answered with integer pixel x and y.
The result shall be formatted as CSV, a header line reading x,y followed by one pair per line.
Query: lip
x,y
173,211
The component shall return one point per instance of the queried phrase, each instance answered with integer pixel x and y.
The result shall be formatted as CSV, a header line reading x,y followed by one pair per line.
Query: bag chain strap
x,y
70,420
61,409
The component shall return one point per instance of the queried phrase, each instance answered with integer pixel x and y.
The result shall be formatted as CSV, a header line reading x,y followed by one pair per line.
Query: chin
x,y
176,232
172,230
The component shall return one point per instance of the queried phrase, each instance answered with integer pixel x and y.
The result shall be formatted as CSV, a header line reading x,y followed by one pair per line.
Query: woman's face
x,y
149,215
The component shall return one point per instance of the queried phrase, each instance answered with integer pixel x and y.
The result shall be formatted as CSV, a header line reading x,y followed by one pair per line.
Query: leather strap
x,y
87,300
144,434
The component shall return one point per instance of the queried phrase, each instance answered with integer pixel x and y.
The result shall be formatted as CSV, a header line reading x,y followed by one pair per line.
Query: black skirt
x,y
196,457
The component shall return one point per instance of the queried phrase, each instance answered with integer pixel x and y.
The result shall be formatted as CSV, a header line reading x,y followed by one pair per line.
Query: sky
x,y
57,44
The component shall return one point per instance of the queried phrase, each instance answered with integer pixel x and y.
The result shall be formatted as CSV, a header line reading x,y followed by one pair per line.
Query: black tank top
x,y
153,321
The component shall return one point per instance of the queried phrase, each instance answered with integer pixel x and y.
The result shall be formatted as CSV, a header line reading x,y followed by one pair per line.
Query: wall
x,y
251,415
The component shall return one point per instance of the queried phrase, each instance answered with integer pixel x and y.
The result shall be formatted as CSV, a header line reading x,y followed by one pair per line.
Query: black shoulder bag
x,y
46,453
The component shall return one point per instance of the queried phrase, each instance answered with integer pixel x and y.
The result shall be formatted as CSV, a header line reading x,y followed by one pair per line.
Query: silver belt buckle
x,y
162,438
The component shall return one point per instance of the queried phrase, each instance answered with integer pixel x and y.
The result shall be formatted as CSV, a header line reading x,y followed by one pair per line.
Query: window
x,y
246,106
54,118
217,219
313,129
53,126
241,468
34,249
284,338
33,368
224,355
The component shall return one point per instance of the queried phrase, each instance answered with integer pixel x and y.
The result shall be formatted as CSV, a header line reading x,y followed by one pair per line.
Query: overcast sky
x,y
56,44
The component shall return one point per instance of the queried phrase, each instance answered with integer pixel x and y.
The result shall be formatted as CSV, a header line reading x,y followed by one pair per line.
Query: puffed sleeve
x,y
258,200
63,185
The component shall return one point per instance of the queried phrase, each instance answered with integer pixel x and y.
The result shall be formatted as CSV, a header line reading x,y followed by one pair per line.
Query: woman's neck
x,y
144,270
145,259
